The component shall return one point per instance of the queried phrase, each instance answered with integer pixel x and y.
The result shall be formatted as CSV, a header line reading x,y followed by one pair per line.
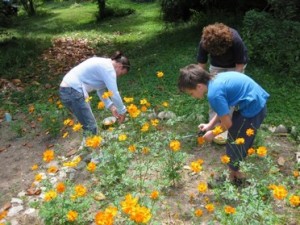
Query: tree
x,y
101,7
28,7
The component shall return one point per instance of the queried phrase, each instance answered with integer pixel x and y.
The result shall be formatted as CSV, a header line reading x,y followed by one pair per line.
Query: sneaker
x,y
221,139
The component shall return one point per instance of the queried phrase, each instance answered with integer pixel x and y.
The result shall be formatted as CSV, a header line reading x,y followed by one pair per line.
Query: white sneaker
x,y
221,139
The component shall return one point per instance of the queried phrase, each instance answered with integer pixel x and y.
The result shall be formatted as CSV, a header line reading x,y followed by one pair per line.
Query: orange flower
x,y
93,141
38,177
3,214
31,108
48,155
132,148
72,216
133,111
198,212
200,140
175,145
77,127
262,151
251,151
68,122
225,159
154,195
240,141
60,187
140,214
196,166
229,209
200,161
154,122
296,173
145,150
279,192
145,127
294,200
159,74
143,108
217,130
101,105
129,203
250,132
202,187
106,217
52,169
50,195
91,167
210,207
80,190
34,167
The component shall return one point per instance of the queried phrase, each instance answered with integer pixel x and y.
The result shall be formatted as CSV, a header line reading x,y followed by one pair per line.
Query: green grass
x,y
144,38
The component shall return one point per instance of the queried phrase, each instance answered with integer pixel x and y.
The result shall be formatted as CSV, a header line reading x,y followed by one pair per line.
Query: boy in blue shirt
x,y
228,89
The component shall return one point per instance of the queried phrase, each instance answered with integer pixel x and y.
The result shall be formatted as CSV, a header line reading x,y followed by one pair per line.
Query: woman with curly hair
x,y
224,47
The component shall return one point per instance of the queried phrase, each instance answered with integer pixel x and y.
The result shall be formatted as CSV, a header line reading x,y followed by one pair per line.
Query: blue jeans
x,y
238,130
75,102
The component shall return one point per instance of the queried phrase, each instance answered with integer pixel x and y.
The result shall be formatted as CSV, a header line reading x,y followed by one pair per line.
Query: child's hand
x,y
121,118
204,127
208,136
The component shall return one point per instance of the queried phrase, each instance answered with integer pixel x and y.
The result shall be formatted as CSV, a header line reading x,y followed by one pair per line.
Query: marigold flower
x,y
217,130
200,140
52,169
66,134
202,187
129,203
296,173
80,190
251,151
229,209
196,166
38,177
93,141
143,108
88,99
34,167
294,200
140,214
133,111
159,74
102,218
73,163
279,192
154,195
198,212
143,101
101,105
145,150
68,122
31,108
72,216
240,141
175,145
128,100
250,132
225,159
132,148
262,151
50,195
165,104
200,161
154,122
3,214
91,167
60,187
122,137
107,94
272,186
48,155
145,127
77,127
210,207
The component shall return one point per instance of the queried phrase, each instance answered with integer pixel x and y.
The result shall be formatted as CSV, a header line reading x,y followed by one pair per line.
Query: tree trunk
x,y
101,6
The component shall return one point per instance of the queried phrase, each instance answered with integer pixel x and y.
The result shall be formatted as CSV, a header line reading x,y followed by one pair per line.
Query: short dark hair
x,y
120,58
192,75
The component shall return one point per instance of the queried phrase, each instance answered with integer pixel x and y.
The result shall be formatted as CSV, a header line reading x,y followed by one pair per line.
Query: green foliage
x,y
284,10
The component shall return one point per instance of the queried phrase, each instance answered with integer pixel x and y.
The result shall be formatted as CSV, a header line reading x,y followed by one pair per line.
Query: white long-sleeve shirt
x,y
96,74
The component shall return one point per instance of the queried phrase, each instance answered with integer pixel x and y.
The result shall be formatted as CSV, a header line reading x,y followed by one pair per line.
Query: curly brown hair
x,y
216,38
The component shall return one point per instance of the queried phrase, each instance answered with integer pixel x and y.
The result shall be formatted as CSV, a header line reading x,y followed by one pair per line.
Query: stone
x,y
166,115
281,129
13,211
16,201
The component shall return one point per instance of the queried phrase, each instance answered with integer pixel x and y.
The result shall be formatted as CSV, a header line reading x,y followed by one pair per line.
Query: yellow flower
x,y
128,100
225,159
77,127
133,111
140,214
107,94
210,207
88,99
48,155
66,134
200,161
145,127
132,148
175,145
229,209
240,141
154,122
272,186
52,169
91,167
80,190
73,163
251,151
279,192
101,105
31,108
198,212
38,177
60,187
296,173
200,140
129,203
196,167
262,151
50,195
93,141
68,122
202,187
159,74
250,132
143,101
154,195
294,200
143,108
217,130
3,214
145,150
72,216
122,137
165,104
34,167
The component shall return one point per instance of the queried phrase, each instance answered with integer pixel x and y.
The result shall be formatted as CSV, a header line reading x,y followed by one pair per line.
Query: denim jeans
x,y
75,102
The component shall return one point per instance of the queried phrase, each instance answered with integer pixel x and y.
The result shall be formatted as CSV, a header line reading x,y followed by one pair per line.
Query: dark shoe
x,y
240,182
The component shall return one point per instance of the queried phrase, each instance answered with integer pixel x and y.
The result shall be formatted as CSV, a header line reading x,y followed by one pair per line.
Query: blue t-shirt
x,y
234,89
236,54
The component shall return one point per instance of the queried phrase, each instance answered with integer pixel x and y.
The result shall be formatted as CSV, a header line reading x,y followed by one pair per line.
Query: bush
x,y
272,42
